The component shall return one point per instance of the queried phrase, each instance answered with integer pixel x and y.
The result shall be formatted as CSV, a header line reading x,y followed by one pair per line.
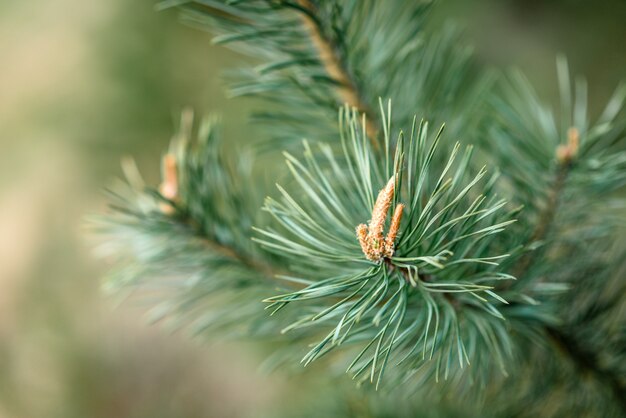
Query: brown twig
x,y
347,91
546,218
266,270
253,264
565,155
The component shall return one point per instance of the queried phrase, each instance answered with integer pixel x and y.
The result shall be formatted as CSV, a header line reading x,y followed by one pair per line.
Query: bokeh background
x,y
84,83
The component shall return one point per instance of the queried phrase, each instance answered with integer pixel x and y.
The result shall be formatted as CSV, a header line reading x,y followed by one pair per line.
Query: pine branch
x,y
531,148
547,215
440,238
189,242
316,55
541,169
433,274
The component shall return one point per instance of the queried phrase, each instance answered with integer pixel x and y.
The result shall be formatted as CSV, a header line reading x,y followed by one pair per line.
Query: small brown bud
x,y
374,245
393,230
566,153
381,207
361,233
573,138
169,186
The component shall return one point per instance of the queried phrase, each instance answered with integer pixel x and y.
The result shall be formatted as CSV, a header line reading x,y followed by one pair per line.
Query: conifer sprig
x,y
568,170
445,257
313,56
185,248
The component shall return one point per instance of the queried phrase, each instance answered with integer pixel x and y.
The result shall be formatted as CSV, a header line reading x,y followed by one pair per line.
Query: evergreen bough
x,y
387,246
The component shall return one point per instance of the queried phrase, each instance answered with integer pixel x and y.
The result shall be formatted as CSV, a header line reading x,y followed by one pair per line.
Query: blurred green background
x,y
83,83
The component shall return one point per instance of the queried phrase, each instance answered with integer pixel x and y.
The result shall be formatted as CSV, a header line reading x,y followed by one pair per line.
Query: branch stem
x,y
266,270
253,264
546,217
347,91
